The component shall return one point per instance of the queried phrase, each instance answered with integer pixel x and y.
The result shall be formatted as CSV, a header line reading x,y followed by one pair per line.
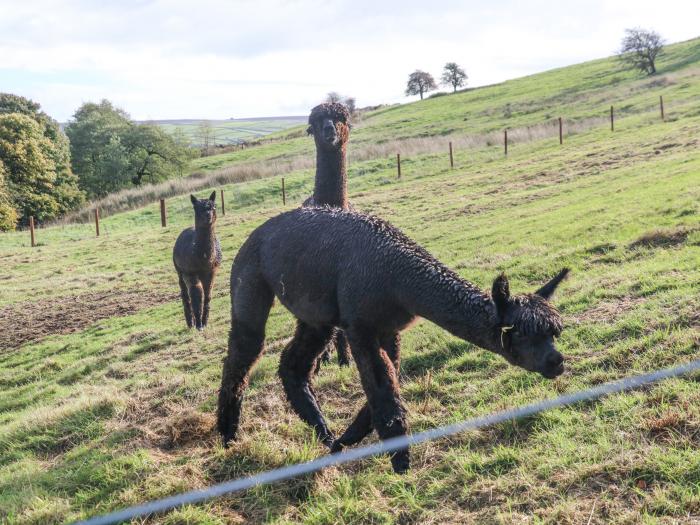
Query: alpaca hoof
x,y
200,328
227,440
400,462
328,440
337,446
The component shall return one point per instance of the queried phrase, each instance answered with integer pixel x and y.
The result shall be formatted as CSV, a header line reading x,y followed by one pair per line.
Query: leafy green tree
x,y
111,152
36,162
8,213
36,159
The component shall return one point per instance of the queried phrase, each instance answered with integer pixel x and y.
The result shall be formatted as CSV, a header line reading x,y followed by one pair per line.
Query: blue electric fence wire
x,y
390,445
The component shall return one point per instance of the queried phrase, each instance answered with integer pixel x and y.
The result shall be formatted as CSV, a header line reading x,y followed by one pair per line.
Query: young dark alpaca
x,y
335,268
329,123
197,256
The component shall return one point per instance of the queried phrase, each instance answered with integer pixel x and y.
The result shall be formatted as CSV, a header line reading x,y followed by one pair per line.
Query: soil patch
x,y
32,321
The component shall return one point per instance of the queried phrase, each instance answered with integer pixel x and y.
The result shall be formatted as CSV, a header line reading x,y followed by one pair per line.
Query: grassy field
x,y
232,131
106,399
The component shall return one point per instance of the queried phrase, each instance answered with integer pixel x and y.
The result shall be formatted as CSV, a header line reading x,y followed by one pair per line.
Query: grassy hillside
x,y
577,93
472,119
107,400
231,131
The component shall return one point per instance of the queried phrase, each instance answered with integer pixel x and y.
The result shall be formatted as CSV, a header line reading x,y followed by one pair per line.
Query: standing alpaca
x,y
197,256
335,268
329,123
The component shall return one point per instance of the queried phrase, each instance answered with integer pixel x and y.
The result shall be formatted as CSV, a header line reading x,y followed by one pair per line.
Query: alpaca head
x,y
528,326
329,123
204,210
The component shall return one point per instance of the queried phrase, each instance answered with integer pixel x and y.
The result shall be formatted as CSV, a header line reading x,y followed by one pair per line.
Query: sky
x,y
241,58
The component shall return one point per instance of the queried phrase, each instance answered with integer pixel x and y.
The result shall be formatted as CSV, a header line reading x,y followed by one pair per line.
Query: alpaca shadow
x,y
418,364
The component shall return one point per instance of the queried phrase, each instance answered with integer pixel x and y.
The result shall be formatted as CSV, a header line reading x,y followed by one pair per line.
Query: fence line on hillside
x,y
506,143
389,445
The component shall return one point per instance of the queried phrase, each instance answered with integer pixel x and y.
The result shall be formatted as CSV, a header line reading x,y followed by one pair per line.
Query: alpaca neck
x,y
331,178
204,238
436,293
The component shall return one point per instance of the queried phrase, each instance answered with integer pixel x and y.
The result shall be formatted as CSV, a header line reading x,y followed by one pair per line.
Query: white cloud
x,y
186,59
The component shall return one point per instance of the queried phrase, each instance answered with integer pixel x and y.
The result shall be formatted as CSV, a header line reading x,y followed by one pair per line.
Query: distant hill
x,y
230,131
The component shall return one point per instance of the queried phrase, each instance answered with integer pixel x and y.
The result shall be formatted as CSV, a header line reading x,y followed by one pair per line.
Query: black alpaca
x,y
329,123
197,256
335,268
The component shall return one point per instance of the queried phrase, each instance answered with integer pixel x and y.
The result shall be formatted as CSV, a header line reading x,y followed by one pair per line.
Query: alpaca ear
x,y
193,199
212,197
500,292
548,289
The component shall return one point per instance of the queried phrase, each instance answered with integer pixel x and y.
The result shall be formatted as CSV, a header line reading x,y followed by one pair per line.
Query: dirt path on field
x,y
32,321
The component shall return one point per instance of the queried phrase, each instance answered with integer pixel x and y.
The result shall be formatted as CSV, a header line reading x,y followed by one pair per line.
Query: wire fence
x,y
390,445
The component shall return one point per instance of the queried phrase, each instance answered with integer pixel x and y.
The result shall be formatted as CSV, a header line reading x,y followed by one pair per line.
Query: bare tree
x,y
205,134
420,82
334,96
351,104
639,50
453,75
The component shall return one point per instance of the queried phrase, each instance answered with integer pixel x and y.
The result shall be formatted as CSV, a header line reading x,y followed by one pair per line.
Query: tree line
x,y
45,172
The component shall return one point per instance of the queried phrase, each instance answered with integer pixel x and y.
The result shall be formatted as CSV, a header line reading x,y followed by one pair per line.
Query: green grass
x,y
227,132
121,411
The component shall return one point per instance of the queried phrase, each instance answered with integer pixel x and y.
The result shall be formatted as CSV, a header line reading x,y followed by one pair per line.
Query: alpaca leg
x,y
196,296
207,285
185,296
297,365
340,342
381,385
361,426
250,307
342,347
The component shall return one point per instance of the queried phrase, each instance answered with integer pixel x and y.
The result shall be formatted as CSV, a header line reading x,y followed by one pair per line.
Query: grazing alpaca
x,y
329,124
197,256
335,268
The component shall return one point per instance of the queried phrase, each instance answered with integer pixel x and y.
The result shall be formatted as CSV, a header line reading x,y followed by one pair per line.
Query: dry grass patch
x,y
663,238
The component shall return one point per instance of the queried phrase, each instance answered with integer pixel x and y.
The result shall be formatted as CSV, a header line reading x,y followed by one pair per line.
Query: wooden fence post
x,y
452,162
97,222
612,119
223,204
163,218
661,105
31,230
284,193
505,142
398,165
561,138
